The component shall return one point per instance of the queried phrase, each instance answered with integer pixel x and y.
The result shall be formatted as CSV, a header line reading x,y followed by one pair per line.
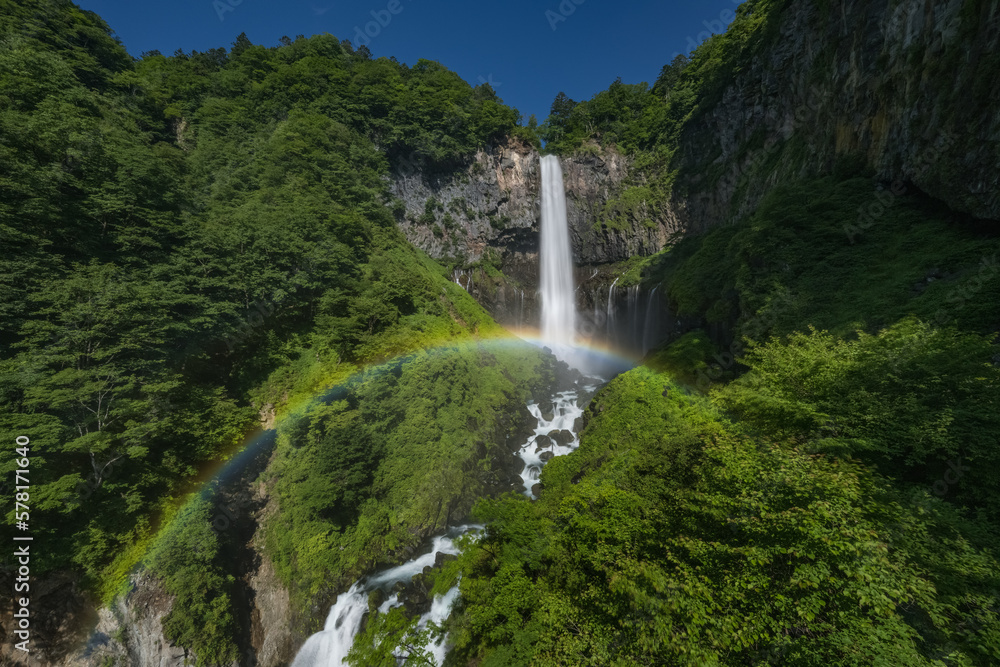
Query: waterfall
x,y
329,647
648,330
556,260
611,310
635,334
555,435
541,447
457,276
520,308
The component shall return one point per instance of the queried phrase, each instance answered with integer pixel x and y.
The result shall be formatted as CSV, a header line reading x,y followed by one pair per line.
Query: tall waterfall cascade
x,y
556,262
556,419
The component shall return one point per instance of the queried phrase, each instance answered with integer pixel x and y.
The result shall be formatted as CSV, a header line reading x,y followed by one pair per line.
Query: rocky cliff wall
x,y
494,205
902,87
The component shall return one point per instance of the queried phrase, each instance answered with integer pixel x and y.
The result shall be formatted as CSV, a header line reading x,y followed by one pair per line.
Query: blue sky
x,y
528,49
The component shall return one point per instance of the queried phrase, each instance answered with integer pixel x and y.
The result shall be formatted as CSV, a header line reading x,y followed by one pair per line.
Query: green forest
x,y
197,243
822,492
189,239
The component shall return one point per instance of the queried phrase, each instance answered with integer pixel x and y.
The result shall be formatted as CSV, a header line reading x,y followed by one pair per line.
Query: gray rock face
x,y
563,437
494,204
131,631
902,87
591,180
271,635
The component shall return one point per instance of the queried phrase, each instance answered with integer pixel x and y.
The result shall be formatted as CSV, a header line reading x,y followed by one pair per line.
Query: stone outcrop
x,y
130,632
902,88
493,206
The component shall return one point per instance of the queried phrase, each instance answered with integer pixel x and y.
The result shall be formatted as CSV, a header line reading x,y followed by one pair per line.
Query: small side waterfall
x,y
519,319
648,331
611,308
457,276
556,260
634,319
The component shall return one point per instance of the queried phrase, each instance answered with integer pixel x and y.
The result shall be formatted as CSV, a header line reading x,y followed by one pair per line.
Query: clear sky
x,y
529,50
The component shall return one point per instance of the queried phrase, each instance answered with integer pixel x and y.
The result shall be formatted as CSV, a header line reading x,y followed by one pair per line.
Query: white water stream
x,y
555,434
329,647
534,453
556,263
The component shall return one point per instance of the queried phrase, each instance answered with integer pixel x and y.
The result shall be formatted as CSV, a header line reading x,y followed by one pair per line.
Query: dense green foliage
x,y
805,257
187,240
800,497
193,242
396,455
674,536
187,557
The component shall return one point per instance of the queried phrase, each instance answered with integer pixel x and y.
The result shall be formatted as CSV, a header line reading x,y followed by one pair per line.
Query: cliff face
x,y
494,205
492,211
494,202
590,181
130,630
904,88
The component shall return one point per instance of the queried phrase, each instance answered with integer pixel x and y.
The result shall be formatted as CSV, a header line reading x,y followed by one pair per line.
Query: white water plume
x,y
556,262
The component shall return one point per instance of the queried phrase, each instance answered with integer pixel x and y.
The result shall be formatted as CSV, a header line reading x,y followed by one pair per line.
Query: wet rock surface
x,y
562,437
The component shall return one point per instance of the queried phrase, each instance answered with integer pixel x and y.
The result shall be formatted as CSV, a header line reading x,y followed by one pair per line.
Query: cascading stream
x,y
329,647
556,263
555,435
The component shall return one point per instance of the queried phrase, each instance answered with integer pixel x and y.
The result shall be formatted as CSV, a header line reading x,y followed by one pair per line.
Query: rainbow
x,y
593,358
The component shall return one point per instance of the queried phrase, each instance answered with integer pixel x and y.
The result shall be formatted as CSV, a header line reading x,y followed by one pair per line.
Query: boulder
x,y
562,437
440,558
543,442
